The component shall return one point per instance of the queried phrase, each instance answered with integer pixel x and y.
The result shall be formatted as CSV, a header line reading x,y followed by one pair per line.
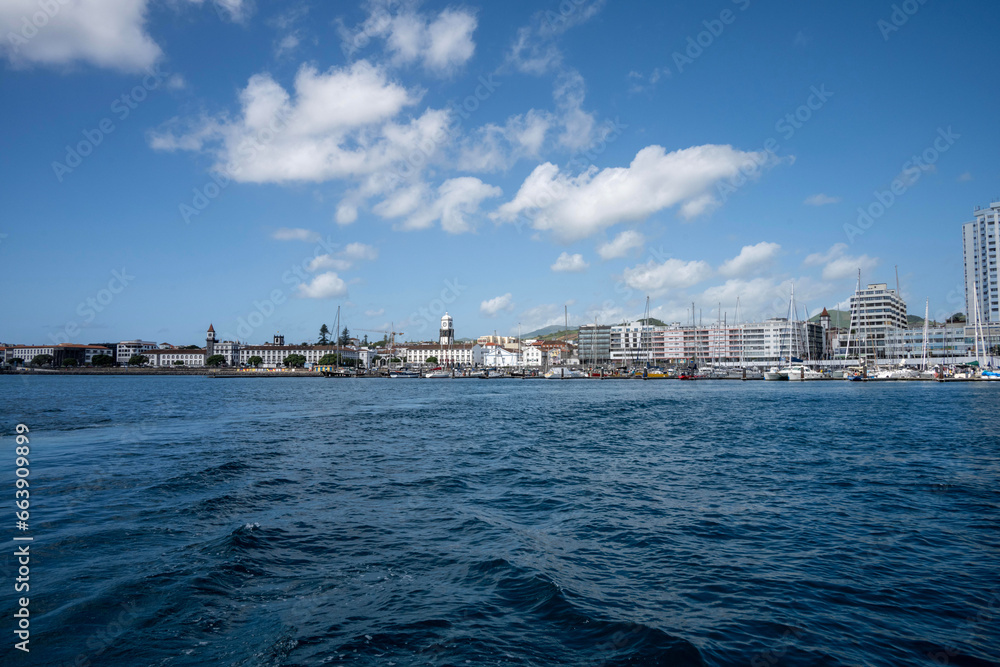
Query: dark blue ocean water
x,y
192,521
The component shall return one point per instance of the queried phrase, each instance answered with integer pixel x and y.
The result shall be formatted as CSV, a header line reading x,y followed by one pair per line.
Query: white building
x,y
496,356
82,354
459,354
979,241
127,348
168,358
876,311
274,355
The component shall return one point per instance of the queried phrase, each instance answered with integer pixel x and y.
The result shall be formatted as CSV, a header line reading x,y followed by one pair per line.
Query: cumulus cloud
x,y
821,199
360,251
440,43
621,245
295,234
751,258
574,207
838,265
453,205
655,278
491,307
567,263
322,262
104,33
324,286
335,124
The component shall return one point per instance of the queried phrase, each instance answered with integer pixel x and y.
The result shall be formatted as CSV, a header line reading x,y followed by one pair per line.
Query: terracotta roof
x,y
825,313
211,329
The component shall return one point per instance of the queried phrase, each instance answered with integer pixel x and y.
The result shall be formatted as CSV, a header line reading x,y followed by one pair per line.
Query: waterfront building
x,y
167,358
594,344
447,332
497,356
508,342
127,348
457,354
754,343
274,355
82,354
979,250
876,311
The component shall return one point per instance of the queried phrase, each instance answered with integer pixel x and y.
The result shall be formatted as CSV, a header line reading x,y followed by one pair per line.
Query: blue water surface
x,y
287,521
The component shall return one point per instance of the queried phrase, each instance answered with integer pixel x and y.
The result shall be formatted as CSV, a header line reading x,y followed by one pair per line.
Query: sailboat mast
x,y
927,311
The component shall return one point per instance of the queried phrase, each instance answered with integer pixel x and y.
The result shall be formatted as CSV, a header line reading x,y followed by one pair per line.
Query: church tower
x,y
447,331
210,342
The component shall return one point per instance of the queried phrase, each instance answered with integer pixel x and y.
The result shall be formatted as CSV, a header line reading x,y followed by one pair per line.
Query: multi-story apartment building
x,y
127,348
753,343
876,311
169,357
594,344
82,354
979,249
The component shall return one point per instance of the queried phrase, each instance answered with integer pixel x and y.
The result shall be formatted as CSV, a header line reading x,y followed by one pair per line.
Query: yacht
x,y
563,373
799,372
775,373
438,375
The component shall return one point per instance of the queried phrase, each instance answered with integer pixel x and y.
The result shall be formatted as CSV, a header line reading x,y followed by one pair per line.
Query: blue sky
x,y
256,165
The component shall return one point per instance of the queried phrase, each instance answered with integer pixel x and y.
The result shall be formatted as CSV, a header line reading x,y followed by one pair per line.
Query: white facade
x,y
979,242
876,311
127,348
753,343
64,350
495,356
464,354
274,355
447,334
167,358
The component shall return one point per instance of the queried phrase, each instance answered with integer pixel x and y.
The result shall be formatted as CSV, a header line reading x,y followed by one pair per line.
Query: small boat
x,y
798,373
438,375
564,374
775,374
404,374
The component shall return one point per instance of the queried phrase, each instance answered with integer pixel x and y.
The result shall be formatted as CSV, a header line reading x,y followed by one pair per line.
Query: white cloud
x,y
621,245
491,307
375,313
338,124
360,251
237,11
965,177
441,44
286,45
838,265
751,258
295,234
323,262
574,207
567,263
657,278
324,286
821,199
534,50
104,33
456,201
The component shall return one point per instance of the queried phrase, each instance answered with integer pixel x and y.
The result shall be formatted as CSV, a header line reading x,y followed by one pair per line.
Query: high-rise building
x,y
594,343
979,239
876,312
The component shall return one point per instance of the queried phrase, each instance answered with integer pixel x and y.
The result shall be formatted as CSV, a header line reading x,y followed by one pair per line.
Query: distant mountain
x,y
544,331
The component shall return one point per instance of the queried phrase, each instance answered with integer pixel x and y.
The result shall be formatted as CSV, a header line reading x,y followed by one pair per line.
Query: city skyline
x,y
402,159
